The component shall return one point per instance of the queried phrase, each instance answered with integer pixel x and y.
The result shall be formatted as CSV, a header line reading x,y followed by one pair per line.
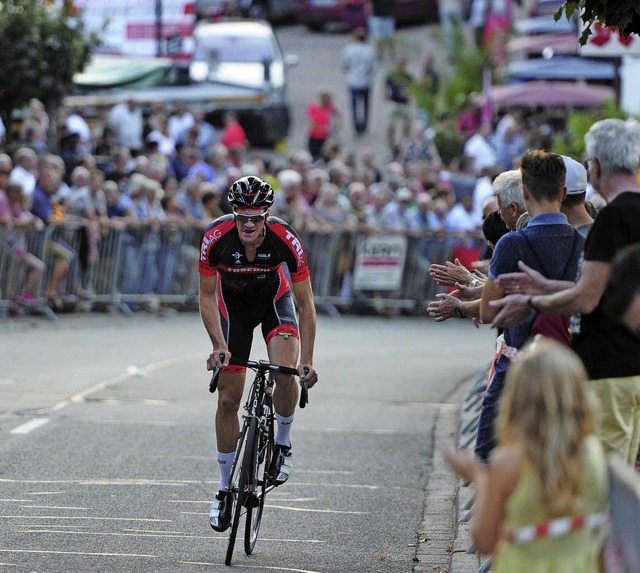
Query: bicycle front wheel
x,y
263,454
242,474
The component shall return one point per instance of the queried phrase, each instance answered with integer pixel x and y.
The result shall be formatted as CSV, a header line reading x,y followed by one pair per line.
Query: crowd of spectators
x,y
134,167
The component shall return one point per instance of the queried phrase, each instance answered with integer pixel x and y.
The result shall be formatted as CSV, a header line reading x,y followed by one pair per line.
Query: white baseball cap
x,y
576,178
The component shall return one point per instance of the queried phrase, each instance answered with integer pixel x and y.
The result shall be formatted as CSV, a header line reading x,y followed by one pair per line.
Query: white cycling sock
x,y
225,461
283,437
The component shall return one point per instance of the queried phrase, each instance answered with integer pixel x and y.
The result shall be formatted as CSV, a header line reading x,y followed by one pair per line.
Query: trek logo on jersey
x,y
264,255
206,243
295,243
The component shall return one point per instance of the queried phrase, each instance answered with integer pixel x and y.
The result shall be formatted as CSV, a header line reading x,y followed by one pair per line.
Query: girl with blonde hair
x,y
541,499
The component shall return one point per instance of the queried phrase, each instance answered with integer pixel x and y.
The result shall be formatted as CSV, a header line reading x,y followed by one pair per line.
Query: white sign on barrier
x,y
379,262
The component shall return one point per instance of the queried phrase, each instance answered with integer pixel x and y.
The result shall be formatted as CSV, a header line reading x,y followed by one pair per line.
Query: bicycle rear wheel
x,y
242,476
263,456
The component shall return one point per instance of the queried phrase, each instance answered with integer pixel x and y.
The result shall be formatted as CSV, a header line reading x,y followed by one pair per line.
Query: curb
x,y
443,544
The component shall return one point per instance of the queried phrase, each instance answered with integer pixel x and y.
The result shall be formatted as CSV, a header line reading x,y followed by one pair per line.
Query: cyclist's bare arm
x,y
307,318
211,318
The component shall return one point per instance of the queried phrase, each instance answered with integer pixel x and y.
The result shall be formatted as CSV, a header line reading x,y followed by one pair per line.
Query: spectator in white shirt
x,y
23,174
126,121
462,217
180,121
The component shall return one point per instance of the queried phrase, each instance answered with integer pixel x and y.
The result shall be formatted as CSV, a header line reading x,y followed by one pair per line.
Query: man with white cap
x,y
574,206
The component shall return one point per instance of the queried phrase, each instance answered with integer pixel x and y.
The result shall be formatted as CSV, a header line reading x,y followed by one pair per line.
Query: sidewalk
x,y
443,543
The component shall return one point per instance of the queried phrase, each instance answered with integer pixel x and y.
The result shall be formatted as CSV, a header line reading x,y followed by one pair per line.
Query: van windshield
x,y
234,49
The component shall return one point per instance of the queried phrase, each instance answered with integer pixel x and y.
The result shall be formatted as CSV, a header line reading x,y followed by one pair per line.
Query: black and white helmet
x,y
251,192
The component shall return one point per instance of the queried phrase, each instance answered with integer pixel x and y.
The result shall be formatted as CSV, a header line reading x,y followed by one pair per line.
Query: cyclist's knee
x,y
285,383
227,405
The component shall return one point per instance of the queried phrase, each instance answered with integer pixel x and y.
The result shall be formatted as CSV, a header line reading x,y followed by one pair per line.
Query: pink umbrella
x,y
549,94
559,43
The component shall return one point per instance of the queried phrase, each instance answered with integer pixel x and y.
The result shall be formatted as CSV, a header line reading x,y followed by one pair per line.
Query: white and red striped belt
x,y
556,527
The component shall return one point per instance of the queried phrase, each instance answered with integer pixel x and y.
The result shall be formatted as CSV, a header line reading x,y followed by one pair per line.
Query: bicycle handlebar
x,y
265,367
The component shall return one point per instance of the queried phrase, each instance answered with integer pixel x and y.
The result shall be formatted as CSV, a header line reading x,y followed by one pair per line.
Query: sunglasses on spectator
x,y
255,219
5,171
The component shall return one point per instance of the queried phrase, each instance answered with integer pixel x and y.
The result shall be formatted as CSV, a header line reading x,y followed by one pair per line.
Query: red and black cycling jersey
x,y
222,252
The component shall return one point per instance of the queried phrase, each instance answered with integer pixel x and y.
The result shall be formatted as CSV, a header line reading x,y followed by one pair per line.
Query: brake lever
x,y
304,391
213,384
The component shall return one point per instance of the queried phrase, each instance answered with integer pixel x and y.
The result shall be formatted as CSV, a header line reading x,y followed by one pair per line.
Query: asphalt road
x,y
108,449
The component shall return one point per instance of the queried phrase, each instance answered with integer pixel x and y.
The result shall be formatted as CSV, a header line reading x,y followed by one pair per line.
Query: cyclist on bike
x,y
243,285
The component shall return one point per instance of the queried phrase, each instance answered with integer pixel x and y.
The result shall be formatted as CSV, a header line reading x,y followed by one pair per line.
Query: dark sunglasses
x,y
5,172
255,219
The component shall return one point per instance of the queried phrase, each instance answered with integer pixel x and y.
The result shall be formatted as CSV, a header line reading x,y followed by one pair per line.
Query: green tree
x,y
42,45
455,92
623,15
571,141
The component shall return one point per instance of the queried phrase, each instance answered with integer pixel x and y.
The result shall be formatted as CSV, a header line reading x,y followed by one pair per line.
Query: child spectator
x,y
17,234
549,465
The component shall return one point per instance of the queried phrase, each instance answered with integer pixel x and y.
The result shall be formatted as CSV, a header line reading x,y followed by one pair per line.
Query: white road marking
x,y
197,458
161,534
280,569
254,567
29,426
185,534
57,507
301,509
84,394
84,517
329,472
59,525
304,509
78,553
113,534
133,422
117,481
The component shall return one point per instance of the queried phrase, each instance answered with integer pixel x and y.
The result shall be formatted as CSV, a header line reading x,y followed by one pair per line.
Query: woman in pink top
x,y
233,135
322,115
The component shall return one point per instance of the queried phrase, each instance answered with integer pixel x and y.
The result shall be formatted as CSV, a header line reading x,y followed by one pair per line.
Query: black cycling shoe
x,y
281,463
220,515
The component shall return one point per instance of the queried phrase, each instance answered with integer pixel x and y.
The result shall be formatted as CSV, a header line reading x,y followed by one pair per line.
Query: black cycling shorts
x,y
240,314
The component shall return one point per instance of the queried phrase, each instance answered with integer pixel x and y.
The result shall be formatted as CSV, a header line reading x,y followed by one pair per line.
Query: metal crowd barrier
x,y
333,258
148,266
14,270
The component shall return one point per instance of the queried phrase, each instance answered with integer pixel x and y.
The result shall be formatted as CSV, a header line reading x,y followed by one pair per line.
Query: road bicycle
x,y
249,483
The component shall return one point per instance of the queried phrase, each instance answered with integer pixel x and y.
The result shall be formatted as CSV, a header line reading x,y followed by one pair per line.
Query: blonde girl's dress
x,y
574,552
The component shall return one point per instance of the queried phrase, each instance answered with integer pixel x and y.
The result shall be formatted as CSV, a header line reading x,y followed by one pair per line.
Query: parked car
x,y
271,10
316,14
